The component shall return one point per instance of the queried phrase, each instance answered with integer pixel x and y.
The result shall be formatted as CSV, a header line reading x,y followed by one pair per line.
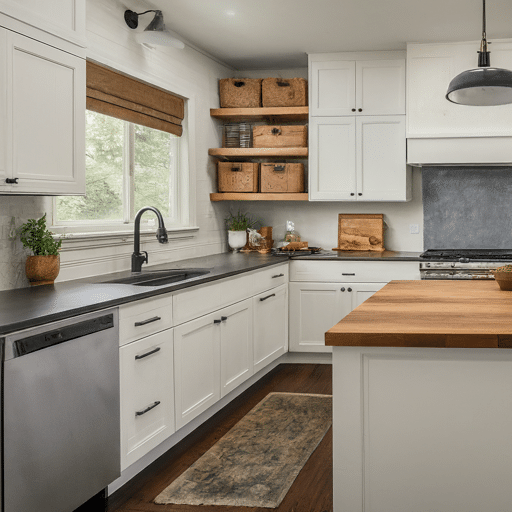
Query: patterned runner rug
x,y
256,462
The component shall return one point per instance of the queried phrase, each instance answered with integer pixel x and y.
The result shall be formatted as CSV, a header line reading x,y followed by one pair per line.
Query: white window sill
x,y
95,239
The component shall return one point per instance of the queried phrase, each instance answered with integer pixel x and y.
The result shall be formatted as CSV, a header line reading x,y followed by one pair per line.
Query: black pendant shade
x,y
483,86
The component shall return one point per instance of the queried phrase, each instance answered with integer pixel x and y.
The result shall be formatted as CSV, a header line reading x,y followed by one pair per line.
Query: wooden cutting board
x,y
360,232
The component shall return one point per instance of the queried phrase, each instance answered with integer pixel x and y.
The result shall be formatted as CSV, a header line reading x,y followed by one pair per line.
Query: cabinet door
x,y
380,87
4,125
382,173
270,326
235,345
147,395
314,309
46,118
333,88
332,162
196,367
362,291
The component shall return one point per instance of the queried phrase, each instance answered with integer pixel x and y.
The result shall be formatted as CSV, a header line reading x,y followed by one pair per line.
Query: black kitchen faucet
x,y
138,257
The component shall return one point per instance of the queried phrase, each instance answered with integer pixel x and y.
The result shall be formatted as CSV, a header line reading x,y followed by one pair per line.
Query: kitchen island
x,y
422,389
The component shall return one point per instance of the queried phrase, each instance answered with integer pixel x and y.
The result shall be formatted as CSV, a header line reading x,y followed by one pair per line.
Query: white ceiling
x,y
277,34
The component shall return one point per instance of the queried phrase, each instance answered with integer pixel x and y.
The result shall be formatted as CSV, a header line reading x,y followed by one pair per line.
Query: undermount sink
x,y
160,277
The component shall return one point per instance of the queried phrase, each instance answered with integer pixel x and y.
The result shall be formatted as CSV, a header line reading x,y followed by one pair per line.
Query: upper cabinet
x,y
356,87
357,138
43,118
62,18
441,132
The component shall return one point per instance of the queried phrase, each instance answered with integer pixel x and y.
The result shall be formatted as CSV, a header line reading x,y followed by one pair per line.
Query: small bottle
x,y
291,235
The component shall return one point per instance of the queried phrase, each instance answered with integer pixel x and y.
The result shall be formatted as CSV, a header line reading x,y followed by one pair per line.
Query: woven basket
x,y
240,92
267,136
281,92
279,178
237,176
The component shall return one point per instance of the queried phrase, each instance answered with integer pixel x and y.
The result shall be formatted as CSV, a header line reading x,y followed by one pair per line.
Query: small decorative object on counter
x,y
360,232
237,176
268,136
237,225
282,177
260,240
44,266
291,235
284,92
240,92
503,276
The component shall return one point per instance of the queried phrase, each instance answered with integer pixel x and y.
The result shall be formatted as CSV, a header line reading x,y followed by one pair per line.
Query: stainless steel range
x,y
462,263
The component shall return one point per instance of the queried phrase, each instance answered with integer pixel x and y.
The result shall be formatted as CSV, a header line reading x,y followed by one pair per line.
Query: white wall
x,y
185,72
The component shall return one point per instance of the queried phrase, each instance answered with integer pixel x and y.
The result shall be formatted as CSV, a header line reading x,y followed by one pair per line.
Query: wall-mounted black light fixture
x,y
154,34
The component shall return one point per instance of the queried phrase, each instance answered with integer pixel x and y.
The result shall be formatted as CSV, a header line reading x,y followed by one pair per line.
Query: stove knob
x,y
464,260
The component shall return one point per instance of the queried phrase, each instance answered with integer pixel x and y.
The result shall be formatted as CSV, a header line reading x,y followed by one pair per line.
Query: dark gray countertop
x,y
362,256
28,307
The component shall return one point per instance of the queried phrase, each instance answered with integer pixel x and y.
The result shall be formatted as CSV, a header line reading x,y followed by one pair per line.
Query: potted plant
x,y
43,267
237,225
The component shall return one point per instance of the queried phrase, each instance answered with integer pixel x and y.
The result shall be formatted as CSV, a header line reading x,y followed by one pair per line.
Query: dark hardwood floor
x,y
312,489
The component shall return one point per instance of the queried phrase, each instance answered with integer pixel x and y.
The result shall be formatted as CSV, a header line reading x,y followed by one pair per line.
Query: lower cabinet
x,y
270,326
213,355
316,307
147,398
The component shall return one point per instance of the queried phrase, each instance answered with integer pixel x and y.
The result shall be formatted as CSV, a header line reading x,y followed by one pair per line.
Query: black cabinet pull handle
x,y
148,321
147,409
154,351
350,289
223,318
343,274
11,180
278,275
217,321
267,297
343,289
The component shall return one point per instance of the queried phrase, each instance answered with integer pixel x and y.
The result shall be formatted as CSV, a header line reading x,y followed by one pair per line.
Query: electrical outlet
x,y
414,229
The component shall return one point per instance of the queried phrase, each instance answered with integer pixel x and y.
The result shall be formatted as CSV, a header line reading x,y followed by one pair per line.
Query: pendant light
x,y
483,86
154,34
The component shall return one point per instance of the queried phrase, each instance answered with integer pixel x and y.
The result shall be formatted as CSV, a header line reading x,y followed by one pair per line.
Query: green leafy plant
x,y
240,222
34,235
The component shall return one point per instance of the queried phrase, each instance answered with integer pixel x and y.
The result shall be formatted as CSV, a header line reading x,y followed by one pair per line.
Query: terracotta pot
x,y
42,269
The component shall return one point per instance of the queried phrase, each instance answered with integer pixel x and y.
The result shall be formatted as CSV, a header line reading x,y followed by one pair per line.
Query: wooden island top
x,y
450,314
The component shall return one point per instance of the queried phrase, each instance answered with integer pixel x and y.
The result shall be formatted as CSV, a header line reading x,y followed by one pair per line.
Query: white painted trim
x,y
173,440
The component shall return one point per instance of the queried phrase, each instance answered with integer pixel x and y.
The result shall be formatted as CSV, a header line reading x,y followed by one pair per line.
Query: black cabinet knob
x,y
352,194
359,109
360,194
350,289
343,289
353,110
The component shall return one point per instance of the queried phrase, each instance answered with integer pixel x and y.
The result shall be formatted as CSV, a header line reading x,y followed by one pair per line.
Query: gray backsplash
x,y
467,208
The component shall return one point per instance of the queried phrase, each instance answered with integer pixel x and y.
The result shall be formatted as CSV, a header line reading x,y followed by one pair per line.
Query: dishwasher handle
x,y
47,339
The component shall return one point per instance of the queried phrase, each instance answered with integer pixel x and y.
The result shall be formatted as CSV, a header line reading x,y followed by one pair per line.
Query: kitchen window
x,y
136,155
128,166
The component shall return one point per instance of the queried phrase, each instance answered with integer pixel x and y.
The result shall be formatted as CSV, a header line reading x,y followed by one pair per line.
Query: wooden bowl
x,y
504,279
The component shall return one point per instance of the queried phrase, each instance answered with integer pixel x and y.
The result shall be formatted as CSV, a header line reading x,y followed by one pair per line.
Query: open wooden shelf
x,y
261,114
257,196
228,153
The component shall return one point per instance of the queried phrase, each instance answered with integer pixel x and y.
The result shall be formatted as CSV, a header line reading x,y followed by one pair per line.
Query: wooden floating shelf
x,y
261,114
247,196
258,152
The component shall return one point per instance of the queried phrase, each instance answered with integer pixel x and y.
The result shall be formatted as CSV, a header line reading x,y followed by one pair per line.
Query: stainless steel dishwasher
x,y
60,413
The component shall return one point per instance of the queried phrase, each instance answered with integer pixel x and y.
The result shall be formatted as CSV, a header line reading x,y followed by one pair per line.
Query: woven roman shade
x,y
117,95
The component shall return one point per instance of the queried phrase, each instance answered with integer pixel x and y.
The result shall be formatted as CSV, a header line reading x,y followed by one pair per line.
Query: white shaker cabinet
x,y
357,142
358,159
42,102
213,355
316,307
370,83
270,326
147,398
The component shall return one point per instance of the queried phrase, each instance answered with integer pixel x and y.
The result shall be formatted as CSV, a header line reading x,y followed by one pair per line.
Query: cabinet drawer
x,y
144,317
205,298
269,278
353,271
147,395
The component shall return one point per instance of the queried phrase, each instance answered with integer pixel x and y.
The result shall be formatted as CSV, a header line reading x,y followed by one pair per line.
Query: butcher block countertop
x,y
449,314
